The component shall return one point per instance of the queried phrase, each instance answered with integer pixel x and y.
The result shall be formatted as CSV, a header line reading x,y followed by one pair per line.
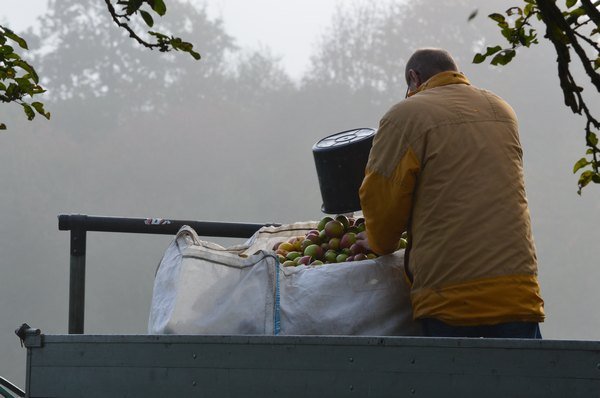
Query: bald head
x,y
427,62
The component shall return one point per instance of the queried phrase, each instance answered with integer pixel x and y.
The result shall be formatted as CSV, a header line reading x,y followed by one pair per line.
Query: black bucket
x,y
341,160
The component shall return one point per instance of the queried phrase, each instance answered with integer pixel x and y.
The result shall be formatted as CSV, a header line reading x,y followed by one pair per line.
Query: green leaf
x,y
571,3
497,17
514,10
579,164
597,63
2,126
578,12
159,7
147,18
492,50
29,69
503,57
528,9
133,6
28,111
585,179
16,38
592,139
39,107
596,178
478,58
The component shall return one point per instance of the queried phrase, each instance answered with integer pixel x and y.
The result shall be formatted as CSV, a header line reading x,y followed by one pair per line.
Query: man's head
x,y
425,63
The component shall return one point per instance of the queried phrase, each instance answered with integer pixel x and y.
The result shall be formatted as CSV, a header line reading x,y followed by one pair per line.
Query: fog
x,y
138,133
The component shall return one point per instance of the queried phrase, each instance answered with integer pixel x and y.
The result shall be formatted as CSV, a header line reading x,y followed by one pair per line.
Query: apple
x,y
334,243
305,260
334,229
323,222
315,251
341,258
348,239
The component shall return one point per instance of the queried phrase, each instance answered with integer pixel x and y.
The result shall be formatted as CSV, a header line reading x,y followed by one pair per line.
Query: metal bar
x,y
79,224
77,281
156,226
11,387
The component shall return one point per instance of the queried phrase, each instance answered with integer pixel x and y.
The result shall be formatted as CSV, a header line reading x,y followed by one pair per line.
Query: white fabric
x,y
203,288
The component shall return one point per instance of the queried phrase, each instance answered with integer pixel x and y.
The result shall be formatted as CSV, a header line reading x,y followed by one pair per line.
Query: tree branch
x,y
591,11
115,17
589,41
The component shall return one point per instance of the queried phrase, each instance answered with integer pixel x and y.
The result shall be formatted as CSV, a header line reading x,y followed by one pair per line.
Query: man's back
x,y
469,221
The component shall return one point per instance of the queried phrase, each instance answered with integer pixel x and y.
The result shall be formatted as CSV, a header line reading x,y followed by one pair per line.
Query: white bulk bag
x,y
203,288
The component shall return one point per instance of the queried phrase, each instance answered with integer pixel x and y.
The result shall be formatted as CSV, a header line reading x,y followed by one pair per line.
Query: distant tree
x,y
19,80
368,44
573,31
364,48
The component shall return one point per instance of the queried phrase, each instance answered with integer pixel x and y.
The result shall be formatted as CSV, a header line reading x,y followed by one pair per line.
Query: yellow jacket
x,y
446,165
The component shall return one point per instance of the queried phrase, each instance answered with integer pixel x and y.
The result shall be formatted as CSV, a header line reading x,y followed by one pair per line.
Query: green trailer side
x,y
307,366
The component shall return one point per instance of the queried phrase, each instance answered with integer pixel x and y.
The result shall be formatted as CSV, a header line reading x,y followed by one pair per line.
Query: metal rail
x,y
79,224
8,389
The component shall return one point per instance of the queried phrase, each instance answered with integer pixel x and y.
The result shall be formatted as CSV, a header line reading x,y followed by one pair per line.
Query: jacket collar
x,y
442,79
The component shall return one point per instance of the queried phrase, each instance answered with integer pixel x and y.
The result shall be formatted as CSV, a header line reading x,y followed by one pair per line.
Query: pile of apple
x,y
334,241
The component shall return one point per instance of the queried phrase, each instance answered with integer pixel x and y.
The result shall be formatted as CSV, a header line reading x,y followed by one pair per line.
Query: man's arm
x,y
386,193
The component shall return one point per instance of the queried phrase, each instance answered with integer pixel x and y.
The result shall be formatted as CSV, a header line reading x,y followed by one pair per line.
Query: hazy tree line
x,y
143,134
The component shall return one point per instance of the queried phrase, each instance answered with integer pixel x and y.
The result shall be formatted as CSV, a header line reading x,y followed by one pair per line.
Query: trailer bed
x,y
304,366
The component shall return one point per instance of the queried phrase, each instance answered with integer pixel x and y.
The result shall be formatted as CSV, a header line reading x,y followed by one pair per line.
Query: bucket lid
x,y
344,138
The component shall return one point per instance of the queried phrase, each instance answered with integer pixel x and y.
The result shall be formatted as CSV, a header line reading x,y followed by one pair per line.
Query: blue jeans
x,y
516,330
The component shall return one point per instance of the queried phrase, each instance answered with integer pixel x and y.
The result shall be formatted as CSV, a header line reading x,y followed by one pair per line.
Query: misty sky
x,y
289,28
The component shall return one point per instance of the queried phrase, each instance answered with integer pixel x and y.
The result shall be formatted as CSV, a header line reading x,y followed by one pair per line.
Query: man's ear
x,y
415,77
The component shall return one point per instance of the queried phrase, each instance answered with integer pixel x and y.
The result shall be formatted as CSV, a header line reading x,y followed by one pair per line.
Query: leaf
x,y
504,57
585,179
2,126
571,3
39,107
514,10
473,15
133,6
596,178
16,38
159,7
579,164
597,63
478,58
592,139
528,9
29,69
497,17
492,50
28,111
147,18
578,12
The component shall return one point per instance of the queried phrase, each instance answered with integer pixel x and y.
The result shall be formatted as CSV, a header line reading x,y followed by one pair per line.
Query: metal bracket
x,y
29,336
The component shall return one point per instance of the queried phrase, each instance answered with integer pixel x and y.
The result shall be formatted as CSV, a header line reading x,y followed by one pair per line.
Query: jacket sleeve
x,y
386,193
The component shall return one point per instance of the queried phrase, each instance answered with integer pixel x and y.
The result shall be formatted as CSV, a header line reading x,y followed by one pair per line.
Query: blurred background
x,y
138,133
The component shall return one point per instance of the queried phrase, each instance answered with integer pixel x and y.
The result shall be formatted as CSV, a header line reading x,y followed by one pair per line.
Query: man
x,y
446,166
